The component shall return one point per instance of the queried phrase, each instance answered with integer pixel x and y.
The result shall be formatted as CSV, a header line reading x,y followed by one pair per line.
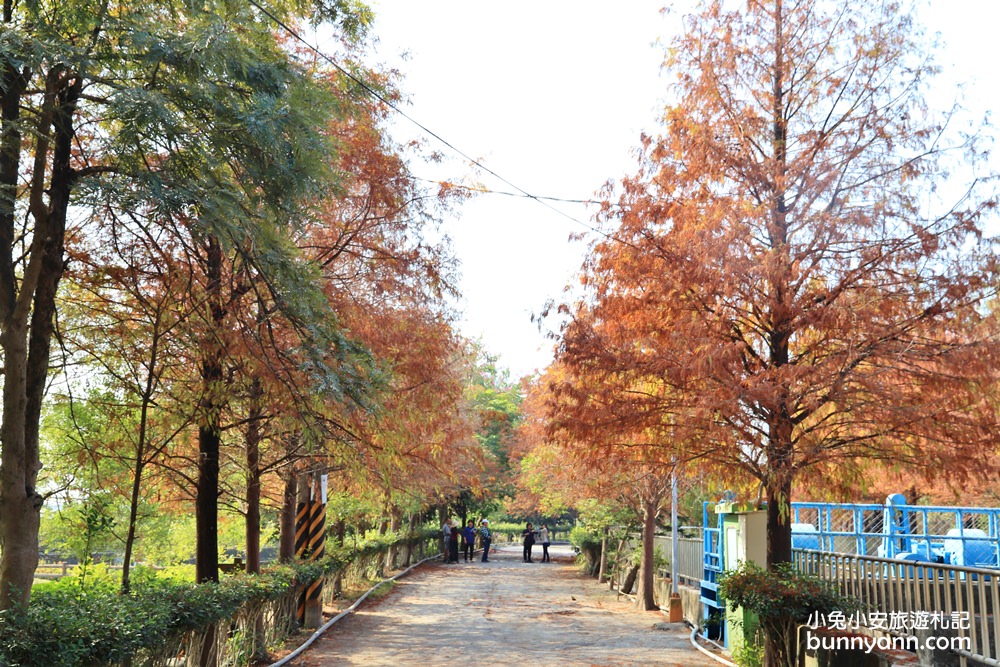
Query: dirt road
x,y
504,611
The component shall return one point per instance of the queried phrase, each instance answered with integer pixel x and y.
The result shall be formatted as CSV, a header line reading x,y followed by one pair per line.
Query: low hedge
x,y
68,624
96,625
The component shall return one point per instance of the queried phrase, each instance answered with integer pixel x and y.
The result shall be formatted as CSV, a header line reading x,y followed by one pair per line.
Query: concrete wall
x,y
690,600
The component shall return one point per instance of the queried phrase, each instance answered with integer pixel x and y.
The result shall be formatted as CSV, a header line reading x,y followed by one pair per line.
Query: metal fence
x,y
690,567
964,536
922,601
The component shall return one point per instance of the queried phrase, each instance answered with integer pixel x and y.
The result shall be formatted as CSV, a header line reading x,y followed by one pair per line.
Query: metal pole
x,y
674,533
676,607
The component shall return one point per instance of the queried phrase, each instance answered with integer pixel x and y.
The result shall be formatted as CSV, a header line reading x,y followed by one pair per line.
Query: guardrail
x,y
54,571
910,596
690,558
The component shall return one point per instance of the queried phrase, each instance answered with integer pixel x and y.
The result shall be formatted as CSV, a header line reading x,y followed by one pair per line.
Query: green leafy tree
x,y
496,401
162,112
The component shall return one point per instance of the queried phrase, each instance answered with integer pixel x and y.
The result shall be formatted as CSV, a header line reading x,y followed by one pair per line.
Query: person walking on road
x,y
469,541
529,541
487,538
543,537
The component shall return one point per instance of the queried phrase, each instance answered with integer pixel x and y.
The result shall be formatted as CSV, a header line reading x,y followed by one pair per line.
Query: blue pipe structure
x,y
963,536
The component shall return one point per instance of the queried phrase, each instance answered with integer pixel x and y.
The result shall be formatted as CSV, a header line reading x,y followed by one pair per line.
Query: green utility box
x,y
744,537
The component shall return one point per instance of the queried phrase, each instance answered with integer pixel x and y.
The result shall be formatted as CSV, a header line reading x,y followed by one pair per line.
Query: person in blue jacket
x,y
469,541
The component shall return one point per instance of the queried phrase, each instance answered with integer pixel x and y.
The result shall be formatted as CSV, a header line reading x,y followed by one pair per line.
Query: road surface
x,y
504,611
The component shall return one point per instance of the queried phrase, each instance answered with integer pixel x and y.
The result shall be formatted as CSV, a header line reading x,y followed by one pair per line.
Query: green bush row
x,y
68,624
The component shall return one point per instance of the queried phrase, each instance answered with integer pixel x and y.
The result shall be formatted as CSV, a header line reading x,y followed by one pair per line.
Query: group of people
x,y
531,535
464,538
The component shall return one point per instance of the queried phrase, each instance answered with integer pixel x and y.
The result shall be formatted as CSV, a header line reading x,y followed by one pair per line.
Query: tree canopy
x,y
244,262
791,259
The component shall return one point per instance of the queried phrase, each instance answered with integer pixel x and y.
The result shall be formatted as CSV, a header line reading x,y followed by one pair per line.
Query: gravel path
x,y
502,611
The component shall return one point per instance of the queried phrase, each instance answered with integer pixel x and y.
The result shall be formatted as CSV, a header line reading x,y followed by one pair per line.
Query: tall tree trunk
x,y
629,582
615,576
780,463
133,519
209,436
140,453
340,531
19,518
602,568
645,597
26,349
392,553
779,547
779,526
286,531
411,526
253,438
16,521
443,513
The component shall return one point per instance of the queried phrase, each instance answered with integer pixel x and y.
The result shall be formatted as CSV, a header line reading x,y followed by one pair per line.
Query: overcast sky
x,y
552,96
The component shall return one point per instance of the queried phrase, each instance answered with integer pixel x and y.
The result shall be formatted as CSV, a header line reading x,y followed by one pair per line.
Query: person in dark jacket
x,y
487,538
529,541
469,541
453,545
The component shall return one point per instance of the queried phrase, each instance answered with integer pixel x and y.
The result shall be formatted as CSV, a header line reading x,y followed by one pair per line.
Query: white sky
x,y
552,95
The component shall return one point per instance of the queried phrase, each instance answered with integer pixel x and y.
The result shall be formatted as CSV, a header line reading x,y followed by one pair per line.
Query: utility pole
x,y
676,614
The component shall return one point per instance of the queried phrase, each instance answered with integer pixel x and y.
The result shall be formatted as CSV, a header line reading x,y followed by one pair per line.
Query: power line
x,y
521,192
487,191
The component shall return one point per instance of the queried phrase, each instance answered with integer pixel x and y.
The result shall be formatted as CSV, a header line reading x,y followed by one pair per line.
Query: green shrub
x,y
751,652
782,598
588,545
583,538
64,627
660,562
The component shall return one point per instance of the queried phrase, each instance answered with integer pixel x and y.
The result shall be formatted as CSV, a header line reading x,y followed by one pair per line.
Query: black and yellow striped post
x,y
301,529
310,544
317,546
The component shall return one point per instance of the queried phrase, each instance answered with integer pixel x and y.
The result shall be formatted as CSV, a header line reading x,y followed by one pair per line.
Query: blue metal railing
x,y
960,536
714,562
964,536
953,537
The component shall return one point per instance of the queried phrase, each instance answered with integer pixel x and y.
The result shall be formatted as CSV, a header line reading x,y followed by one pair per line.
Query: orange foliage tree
x,y
778,263
123,308
388,285
593,420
